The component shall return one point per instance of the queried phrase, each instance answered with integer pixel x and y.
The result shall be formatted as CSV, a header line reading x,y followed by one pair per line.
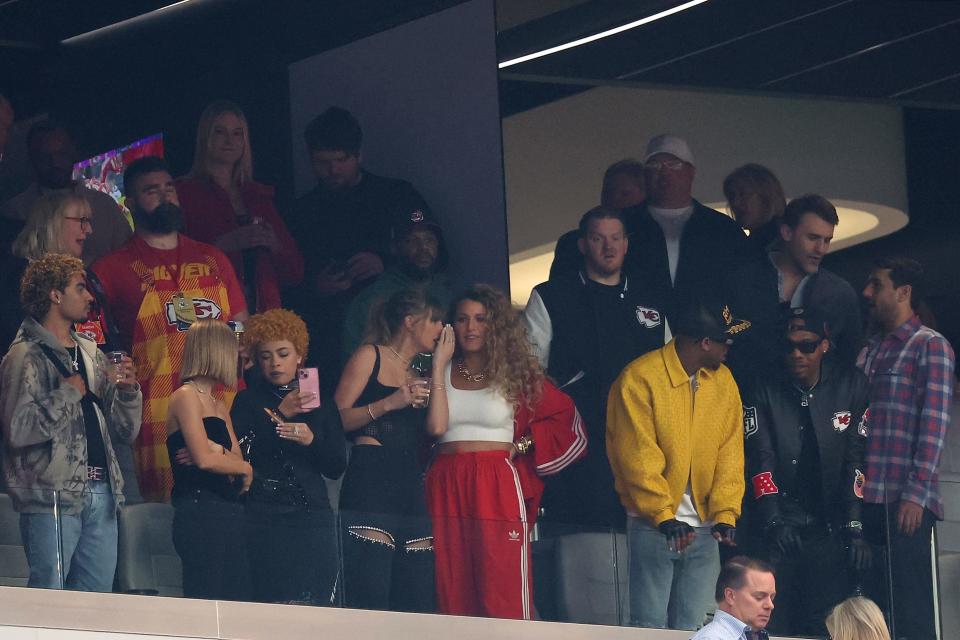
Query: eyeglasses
x,y
803,346
656,165
83,221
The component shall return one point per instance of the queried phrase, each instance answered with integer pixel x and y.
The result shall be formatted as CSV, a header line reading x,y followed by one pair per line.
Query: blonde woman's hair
x,y
211,352
243,171
512,368
42,232
385,318
857,618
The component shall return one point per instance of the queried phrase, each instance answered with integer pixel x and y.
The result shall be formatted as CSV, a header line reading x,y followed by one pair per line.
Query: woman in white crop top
x,y
486,391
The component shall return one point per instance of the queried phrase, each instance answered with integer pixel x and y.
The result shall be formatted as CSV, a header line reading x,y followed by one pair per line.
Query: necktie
x,y
757,634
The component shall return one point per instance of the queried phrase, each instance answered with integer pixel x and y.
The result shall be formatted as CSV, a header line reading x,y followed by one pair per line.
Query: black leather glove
x,y
859,553
784,537
725,534
677,533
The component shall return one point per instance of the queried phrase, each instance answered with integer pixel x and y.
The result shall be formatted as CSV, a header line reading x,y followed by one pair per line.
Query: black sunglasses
x,y
804,346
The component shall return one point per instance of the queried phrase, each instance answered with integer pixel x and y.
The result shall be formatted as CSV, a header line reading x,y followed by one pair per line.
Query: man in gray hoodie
x,y
62,402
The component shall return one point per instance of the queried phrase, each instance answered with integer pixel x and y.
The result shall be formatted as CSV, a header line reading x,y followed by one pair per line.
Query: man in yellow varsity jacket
x,y
675,443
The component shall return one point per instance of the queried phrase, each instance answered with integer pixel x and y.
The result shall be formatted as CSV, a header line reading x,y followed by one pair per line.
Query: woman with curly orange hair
x,y
502,426
290,527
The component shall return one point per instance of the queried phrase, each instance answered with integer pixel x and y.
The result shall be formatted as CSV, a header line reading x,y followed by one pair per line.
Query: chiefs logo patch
x,y
858,480
649,318
862,427
203,307
749,421
841,420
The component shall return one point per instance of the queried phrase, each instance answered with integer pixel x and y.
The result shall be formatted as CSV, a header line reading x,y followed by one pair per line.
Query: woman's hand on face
x,y
292,404
443,352
297,432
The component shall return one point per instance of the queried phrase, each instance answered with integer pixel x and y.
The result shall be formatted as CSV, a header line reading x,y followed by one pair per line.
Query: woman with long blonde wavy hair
x,y
501,427
857,618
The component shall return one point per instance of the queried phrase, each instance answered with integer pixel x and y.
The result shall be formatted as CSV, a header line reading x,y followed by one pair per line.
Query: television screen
x,y
104,172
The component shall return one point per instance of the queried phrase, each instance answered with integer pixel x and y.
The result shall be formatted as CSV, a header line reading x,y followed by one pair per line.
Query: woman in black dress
x,y
209,473
290,527
387,542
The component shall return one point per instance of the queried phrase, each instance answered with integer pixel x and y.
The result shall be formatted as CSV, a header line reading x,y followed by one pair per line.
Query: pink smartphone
x,y
310,382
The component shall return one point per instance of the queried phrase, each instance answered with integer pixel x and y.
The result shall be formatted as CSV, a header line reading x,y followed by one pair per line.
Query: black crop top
x,y
400,430
187,479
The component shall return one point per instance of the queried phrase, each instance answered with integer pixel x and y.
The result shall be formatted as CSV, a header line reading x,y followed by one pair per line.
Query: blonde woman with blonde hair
x,y
59,222
210,475
502,427
857,619
224,206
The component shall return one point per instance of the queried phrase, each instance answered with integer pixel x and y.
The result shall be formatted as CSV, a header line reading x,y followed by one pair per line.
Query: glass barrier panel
x,y
33,516
947,554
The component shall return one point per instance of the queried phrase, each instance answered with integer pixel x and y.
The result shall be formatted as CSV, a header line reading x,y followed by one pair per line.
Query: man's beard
x,y
416,272
56,178
166,218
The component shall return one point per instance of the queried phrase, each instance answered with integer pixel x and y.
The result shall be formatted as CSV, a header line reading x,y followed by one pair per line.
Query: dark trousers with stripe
x,y
481,536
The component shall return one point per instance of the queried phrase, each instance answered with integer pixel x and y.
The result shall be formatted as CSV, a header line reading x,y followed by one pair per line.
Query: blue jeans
x,y
89,543
669,589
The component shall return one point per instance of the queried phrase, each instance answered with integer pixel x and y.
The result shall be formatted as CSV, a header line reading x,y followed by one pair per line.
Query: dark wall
x,y
159,76
932,139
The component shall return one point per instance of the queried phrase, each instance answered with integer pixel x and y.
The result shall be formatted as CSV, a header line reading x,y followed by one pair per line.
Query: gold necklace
x,y
405,361
463,371
197,387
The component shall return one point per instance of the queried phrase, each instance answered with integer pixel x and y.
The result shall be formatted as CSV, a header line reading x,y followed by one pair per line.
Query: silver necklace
x,y
74,352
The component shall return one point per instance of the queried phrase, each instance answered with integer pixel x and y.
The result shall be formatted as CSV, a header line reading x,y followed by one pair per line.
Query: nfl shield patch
x,y
841,420
749,421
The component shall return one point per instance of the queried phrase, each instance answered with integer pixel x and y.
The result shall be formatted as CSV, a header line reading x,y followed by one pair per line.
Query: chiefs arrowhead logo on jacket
x,y
841,420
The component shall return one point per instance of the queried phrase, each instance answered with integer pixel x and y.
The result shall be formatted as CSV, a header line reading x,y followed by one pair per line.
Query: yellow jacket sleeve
x,y
728,484
636,460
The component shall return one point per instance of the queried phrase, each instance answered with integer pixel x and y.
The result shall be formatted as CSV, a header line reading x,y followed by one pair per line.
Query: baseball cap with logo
x,y
416,219
807,319
673,145
712,320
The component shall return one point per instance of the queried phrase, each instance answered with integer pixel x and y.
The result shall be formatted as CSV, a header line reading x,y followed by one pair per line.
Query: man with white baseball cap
x,y
677,244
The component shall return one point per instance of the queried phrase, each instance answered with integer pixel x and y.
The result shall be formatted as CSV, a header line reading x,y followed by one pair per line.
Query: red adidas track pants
x,y
480,536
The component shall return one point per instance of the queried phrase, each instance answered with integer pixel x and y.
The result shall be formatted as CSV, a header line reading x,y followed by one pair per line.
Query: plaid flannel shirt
x,y
911,387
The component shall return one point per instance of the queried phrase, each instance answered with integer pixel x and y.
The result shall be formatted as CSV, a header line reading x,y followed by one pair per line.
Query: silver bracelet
x,y
370,411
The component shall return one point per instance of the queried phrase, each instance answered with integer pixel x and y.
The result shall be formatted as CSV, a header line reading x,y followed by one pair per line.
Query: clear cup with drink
x,y
418,377
116,359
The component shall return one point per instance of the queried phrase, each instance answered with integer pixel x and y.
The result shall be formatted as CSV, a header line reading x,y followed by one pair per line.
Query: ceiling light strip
x,y
122,23
870,49
925,85
744,36
602,34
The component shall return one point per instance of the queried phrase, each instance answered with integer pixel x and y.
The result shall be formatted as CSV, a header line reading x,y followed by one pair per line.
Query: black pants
x,y
810,583
906,565
293,554
213,556
383,492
